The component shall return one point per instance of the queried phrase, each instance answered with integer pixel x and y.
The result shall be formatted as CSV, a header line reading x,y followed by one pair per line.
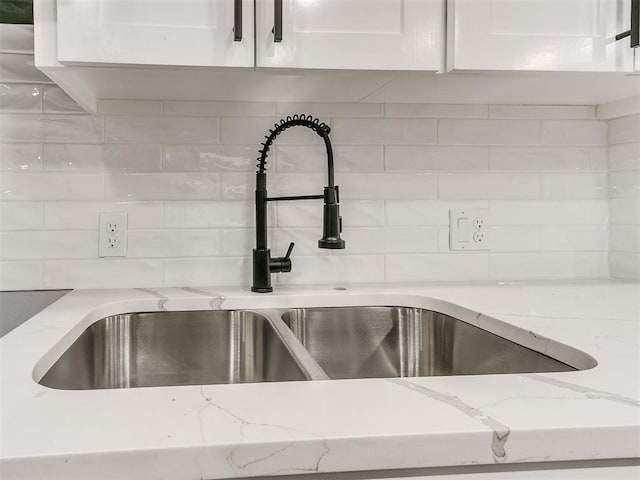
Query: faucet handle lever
x,y
289,250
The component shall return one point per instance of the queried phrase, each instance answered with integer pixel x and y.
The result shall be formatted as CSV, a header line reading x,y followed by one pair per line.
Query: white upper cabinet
x,y
350,34
543,35
156,32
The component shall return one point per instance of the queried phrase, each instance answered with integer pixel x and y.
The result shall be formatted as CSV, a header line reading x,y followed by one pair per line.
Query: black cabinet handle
x,y
277,21
237,20
634,31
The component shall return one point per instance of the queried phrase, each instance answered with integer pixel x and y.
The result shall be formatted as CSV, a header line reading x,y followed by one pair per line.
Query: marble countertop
x,y
243,430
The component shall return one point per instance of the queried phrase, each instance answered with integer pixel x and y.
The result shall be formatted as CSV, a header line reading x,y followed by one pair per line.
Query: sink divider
x,y
297,350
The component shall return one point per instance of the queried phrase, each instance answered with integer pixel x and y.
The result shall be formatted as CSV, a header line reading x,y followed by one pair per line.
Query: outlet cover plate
x,y
469,229
112,236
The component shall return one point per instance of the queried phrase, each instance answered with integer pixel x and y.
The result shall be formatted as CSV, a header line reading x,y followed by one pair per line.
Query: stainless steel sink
x,y
363,342
175,348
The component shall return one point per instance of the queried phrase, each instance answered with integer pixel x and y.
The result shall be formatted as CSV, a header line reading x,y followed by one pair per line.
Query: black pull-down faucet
x,y
263,264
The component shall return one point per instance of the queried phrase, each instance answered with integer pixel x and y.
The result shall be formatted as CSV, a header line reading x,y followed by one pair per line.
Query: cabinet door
x,y
352,34
155,32
551,35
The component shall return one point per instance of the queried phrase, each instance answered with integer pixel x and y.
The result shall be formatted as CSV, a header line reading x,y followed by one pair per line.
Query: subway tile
x,y
220,109
20,156
568,112
173,243
306,240
323,110
435,158
355,213
154,129
549,212
624,265
488,132
210,214
574,186
624,129
17,38
437,267
48,245
624,238
540,158
515,239
103,273
492,186
410,240
240,186
129,107
76,215
599,159
209,158
207,272
253,130
624,184
20,98
388,131
425,212
574,132
333,269
435,110
55,100
108,158
625,156
382,186
19,68
163,186
624,211
237,242
51,186
20,276
540,265
51,128
304,158
20,216
574,238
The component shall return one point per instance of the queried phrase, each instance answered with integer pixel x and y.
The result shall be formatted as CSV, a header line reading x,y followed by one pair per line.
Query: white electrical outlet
x,y
469,229
112,237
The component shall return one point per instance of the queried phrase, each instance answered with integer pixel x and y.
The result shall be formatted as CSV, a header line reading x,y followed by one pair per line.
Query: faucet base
x,y
262,290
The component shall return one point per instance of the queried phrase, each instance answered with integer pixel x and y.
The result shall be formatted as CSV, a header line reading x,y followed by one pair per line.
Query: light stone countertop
x,y
243,430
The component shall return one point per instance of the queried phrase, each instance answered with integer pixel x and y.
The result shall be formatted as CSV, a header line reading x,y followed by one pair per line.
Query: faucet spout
x,y
263,264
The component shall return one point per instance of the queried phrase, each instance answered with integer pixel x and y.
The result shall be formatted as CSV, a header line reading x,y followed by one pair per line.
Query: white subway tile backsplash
x,y
540,265
55,100
51,186
103,273
74,215
347,158
355,213
625,156
20,216
624,184
210,214
129,107
154,129
624,238
488,132
435,110
624,130
324,110
489,186
98,158
19,68
574,132
20,156
516,239
207,271
624,211
624,265
379,186
20,98
173,243
253,130
21,276
388,131
574,238
220,109
48,245
540,158
549,212
425,212
599,159
575,186
209,158
163,186
582,112
438,267
51,128
436,158
334,269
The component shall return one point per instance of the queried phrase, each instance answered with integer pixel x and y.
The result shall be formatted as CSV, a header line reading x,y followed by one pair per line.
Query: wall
x,y
624,190
184,173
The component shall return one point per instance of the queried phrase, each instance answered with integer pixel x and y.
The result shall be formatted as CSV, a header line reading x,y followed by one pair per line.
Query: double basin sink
x,y
243,346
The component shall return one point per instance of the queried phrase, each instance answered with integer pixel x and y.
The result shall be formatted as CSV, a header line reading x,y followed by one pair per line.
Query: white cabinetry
x,y
542,35
151,32
351,34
